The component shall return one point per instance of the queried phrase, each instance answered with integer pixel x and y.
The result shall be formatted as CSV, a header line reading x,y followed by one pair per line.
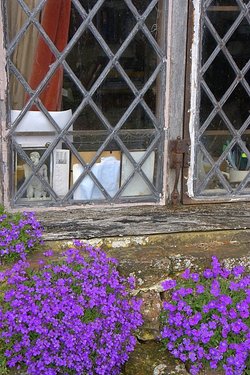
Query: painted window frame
x,y
191,118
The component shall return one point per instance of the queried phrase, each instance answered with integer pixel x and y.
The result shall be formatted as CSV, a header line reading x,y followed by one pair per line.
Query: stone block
x,y
149,265
149,359
151,308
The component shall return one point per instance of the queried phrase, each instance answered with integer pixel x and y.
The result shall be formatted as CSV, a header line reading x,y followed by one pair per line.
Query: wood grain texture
x,y
136,221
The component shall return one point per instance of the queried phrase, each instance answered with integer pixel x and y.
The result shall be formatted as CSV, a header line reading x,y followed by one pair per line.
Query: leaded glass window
x,y
86,100
222,134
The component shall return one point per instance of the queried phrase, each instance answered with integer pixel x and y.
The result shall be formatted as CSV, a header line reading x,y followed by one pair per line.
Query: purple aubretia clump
x,y
19,234
72,317
207,321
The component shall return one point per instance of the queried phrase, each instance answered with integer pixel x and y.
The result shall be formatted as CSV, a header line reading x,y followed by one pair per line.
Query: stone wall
x,y
153,259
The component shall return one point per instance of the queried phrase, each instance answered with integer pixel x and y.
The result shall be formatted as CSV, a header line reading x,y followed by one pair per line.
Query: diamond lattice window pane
x,y
73,92
219,76
141,5
87,67
87,122
206,105
135,55
16,19
156,29
222,15
209,42
150,97
223,160
136,117
113,97
31,187
86,94
238,44
114,21
137,185
237,106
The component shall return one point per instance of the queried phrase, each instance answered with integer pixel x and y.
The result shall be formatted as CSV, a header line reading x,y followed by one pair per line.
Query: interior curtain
x,y
55,21
26,47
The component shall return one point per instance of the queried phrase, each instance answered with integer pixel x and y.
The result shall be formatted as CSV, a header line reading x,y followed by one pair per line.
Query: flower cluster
x,y
19,234
207,321
73,316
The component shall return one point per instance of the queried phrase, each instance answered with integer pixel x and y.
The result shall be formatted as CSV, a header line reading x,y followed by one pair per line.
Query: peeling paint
x,y
3,78
3,144
194,93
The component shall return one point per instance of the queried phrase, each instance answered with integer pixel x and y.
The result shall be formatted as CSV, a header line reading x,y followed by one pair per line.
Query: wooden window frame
x,y
191,112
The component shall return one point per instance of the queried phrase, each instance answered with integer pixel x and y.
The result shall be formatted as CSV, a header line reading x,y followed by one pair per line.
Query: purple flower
x,y
200,289
168,284
216,266
215,288
183,292
195,277
214,323
192,356
48,253
213,364
186,274
238,271
223,346
74,317
225,300
194,320
225,273
208,274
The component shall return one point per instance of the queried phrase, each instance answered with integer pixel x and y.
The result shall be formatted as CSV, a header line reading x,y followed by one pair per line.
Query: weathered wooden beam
x,y
93,222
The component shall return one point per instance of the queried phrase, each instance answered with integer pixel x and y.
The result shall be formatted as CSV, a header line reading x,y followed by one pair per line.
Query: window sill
x,y
86,223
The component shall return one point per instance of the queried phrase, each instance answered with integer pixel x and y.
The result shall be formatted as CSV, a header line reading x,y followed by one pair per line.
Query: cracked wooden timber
x,y
96,222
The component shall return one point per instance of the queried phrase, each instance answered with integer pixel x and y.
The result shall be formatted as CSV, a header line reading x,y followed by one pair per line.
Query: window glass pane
x,y
223,153
86,95
32,187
